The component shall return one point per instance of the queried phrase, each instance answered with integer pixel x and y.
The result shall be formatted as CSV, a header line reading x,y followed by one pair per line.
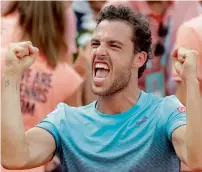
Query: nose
x,y
101,51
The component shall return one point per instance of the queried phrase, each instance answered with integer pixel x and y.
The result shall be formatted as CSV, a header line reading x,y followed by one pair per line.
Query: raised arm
x,y
187,140
187,38
20,150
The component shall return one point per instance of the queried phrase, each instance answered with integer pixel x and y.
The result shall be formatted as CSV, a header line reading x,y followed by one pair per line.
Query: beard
x,y
118,84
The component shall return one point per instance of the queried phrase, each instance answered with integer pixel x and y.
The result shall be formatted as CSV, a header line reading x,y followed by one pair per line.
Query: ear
x,y
139,59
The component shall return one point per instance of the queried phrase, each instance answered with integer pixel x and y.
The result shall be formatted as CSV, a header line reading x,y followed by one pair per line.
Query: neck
x,y
120,101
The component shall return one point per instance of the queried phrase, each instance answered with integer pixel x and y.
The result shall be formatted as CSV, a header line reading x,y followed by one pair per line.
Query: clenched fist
x,y
19,57
185,63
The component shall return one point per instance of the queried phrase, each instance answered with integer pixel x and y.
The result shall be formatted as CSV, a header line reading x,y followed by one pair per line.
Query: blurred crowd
x,y
62,31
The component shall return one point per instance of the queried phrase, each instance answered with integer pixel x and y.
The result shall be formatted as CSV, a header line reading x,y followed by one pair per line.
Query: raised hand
x,y
185,62
19,57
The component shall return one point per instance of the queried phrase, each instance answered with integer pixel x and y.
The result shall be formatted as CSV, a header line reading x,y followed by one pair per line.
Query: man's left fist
x,y
185,62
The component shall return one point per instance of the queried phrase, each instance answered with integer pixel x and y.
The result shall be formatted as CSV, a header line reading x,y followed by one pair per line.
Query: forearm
x,y
181,92
13,140
194,121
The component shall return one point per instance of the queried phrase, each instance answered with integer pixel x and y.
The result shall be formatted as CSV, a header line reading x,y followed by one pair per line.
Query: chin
x,y
99,91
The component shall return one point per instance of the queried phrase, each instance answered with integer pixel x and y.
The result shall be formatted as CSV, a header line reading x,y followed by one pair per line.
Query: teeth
x,y
101,66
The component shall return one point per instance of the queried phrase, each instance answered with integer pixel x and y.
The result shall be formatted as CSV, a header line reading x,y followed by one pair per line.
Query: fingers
x,y
185,60
33,50
178,66
24,45
174,53
180,54
28,61
20,52
190,56
23,53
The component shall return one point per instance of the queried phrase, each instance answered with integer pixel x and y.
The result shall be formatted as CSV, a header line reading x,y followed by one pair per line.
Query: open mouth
x,y
101,72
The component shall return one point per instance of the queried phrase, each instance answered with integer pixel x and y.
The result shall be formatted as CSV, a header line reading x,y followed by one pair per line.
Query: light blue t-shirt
x,y
138,140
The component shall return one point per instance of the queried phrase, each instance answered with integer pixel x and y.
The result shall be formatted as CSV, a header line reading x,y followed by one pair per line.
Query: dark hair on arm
x,y
141,30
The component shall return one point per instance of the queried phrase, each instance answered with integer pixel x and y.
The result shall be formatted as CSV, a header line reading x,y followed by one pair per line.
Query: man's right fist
x,y
19,57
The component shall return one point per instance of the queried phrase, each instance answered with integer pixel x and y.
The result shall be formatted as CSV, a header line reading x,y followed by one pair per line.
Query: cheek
x,y
117,68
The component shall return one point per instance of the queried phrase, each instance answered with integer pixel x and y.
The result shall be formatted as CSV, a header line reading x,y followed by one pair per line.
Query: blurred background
x,y
62,30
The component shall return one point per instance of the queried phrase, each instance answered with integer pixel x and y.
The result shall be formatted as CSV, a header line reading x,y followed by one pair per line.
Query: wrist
x,y
191,81
10,72
10,82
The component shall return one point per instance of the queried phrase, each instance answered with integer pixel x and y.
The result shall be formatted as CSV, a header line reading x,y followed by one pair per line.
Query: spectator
x,y
51,79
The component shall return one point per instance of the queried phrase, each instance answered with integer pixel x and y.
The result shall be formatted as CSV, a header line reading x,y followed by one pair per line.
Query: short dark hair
x,y
141,30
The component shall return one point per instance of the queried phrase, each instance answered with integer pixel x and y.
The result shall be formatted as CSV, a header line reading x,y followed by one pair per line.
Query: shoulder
x,y
167,105
87,108
69,71
63,111
60,115
171,104
171,113
153,99
70,80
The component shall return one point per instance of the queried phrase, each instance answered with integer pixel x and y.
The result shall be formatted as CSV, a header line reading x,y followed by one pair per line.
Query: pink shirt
x,y
42,88
190,36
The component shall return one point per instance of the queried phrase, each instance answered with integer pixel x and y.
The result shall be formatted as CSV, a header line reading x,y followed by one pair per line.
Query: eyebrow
x,y
111,41
94,40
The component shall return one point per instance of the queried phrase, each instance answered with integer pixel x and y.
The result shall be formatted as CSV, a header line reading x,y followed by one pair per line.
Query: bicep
x,y
178,141
41,147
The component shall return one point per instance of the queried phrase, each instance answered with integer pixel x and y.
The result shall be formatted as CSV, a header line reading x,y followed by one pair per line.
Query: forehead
x,y
118,30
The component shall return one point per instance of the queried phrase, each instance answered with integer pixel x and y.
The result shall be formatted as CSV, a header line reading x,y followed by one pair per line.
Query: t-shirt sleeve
x,y
177,116
186,38
51,123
